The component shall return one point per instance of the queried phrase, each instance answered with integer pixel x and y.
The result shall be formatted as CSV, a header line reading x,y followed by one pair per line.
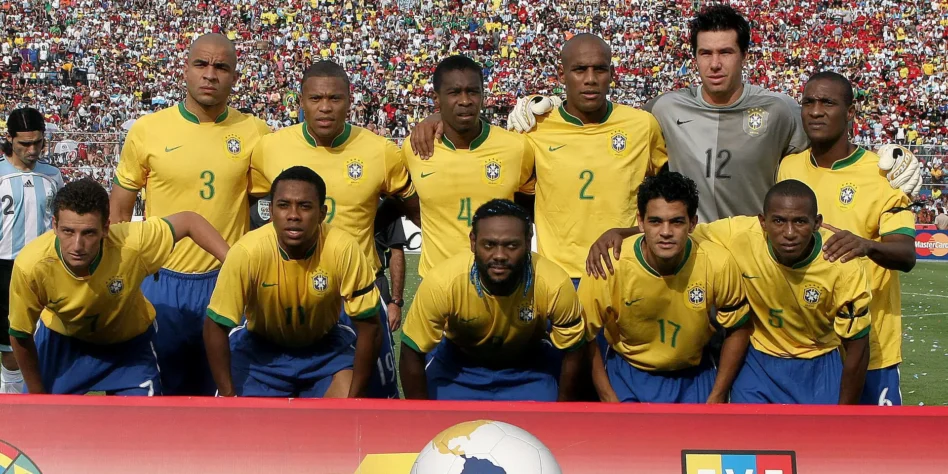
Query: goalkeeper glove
x,y
523,116
902,168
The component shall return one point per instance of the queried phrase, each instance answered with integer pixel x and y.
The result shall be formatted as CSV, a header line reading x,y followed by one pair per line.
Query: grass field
x,y
924,325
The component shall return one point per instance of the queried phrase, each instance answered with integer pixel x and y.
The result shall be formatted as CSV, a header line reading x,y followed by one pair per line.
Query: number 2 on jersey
x,y
588,175
465,213
723,157
207,192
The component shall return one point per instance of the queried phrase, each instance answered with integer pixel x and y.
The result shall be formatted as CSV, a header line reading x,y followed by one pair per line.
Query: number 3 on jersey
x,y
207,191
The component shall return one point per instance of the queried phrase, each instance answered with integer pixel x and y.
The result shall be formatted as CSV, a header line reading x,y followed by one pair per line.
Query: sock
x,y
11,381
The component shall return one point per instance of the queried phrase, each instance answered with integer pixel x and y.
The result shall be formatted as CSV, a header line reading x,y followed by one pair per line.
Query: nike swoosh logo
x,y
268,285
748,276
468,320
169,150
557,148
57,301
425,175
630,303
679,122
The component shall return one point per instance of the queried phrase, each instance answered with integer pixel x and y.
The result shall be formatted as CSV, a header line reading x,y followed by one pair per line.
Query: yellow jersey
x,y
453,183
105,307
854,195
358,167
293,303
801,312
185,165
588,176
663,323
452,303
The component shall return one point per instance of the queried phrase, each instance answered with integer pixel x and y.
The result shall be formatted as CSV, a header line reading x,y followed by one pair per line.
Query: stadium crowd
x,y
94,66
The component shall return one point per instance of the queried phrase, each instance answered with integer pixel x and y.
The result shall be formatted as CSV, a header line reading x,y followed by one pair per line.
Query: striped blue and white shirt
x,y
26,205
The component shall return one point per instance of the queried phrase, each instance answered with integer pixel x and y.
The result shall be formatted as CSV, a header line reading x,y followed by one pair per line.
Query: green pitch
x,y
924,329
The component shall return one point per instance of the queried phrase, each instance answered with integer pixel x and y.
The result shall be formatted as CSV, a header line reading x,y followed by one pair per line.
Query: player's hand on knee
x,y
394,317
599,253
844,245
902,168
425,134
716,398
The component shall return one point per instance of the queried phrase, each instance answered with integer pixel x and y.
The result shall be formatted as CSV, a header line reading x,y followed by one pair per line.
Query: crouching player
x,y
82,280
482,320
290,278
656,310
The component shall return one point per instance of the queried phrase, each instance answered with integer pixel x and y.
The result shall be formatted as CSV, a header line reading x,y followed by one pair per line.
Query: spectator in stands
x,y
941,220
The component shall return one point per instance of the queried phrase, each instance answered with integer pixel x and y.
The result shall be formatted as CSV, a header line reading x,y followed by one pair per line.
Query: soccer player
x,y
194,156
472,163
656,308
27,188
82,281
288,279
869,218
482,320
591,156
359,167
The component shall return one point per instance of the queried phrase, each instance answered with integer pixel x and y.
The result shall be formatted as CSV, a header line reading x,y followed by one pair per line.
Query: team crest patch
x,y
847,195
320,281
263,209
695,296
526,314
354,169
233,144
492,171
619,141
116,285
811,295
755,121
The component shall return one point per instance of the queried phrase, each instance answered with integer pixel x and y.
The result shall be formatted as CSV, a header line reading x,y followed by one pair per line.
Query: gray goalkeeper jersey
x,y
731,152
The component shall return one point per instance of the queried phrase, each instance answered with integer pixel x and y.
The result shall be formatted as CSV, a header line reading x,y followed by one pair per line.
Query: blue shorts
x,y
70,366
681,386
452,375
383,382
263,369
180,301
768,379
882,387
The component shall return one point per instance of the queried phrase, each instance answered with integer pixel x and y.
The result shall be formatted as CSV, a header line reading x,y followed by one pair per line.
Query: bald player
x,y
194,156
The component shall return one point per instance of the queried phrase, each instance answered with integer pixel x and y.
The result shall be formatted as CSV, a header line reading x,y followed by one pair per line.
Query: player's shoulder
x,y
796,159
547,274
683,96
36,252
621,112
148,122
717,255
249,123
843,270
337,240
282,135
781,103
48,170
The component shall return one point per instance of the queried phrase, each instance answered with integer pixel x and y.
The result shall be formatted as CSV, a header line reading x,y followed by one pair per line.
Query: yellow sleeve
x,y
658,154
262,128
566,316
26,302
595,298
362,300
424,325
132,169
718,232
896,217
730,297
851,300
397,182
259,184
154,239
234,285
528,176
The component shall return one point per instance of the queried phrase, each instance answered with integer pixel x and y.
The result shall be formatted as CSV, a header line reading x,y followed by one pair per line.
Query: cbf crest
x,y
492,171
811,295
618,140
355,169
116,285
525,315
755,121
847,195
695,296
233,145
320,281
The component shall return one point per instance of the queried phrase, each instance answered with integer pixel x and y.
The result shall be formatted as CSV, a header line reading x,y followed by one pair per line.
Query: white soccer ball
x,y
485,447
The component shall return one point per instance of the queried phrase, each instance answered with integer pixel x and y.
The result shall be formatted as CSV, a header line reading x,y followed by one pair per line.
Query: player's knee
x,y
339,388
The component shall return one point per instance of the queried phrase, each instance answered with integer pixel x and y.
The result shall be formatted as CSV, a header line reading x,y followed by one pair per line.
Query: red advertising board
x,y
61,434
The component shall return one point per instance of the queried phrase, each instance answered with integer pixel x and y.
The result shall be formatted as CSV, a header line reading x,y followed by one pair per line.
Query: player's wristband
x,y
398,302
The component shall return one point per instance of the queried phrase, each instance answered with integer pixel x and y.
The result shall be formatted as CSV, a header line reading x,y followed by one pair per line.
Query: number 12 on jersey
x,y
723,157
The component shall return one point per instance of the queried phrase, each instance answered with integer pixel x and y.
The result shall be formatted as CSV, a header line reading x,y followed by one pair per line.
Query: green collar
x,y
817,247
309,253
840,164
485,131
193,118
92,266
579,123
339,140
641,258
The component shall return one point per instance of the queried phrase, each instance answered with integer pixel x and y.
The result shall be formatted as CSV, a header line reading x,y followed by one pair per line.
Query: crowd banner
x,y
931,245
88,434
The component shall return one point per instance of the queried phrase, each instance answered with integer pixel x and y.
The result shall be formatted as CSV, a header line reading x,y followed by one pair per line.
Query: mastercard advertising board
x,y
931,245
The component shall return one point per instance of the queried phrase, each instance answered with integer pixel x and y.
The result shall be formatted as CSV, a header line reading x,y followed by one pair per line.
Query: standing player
x,y
82,280
472,163
289,279
196,157
591,156
656,308
27,188
869,218
482,320
359,167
